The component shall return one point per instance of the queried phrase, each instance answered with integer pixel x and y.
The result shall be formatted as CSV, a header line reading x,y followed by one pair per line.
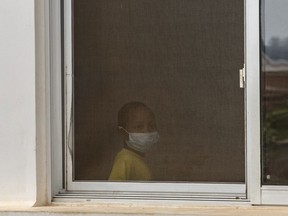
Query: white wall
x,y
17,103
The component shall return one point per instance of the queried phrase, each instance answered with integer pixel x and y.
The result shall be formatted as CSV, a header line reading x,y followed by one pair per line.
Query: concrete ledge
x,y
137,210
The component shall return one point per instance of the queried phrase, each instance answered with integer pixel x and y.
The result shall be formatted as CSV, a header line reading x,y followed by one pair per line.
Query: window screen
x,y
181,59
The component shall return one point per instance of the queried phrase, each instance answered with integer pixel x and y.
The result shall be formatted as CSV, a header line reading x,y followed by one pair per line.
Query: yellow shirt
x,y
129,166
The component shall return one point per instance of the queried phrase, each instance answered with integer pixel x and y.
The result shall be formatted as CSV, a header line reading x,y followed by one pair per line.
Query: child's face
x,y
141,120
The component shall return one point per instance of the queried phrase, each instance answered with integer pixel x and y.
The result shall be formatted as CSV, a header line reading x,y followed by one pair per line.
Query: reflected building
x,y
275,82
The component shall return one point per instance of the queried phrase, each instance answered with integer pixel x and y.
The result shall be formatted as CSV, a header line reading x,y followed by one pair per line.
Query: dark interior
x,y
179,57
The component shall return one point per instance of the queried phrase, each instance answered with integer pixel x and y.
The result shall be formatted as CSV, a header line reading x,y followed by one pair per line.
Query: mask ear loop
x,y
120,127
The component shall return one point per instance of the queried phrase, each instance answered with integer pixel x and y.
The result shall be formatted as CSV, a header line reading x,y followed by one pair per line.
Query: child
x,y
137,128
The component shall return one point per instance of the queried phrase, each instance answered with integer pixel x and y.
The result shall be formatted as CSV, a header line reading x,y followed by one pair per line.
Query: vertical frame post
x,y
253,135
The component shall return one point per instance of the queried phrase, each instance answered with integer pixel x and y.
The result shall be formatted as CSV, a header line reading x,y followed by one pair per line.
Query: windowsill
x,y
138,209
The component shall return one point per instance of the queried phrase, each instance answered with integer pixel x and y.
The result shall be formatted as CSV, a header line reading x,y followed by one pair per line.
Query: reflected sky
x,y
276,19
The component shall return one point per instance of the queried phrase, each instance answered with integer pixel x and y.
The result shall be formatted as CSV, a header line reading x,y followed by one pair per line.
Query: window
x,y
275,92
180,58
274,77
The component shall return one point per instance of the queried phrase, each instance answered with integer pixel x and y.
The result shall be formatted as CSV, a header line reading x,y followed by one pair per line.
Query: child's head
x,y
137,127
136,117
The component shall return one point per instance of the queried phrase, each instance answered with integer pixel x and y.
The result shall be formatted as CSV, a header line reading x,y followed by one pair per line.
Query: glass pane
x,y
181,59
275,91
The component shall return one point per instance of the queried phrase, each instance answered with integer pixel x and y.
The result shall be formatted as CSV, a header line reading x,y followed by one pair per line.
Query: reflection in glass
x,y
275,91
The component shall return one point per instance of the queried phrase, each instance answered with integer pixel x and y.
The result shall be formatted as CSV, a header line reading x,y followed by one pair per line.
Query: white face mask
x,y
141,142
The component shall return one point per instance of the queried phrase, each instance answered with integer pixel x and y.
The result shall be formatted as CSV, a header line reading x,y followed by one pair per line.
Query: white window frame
x,y
54,64
251,192
163,190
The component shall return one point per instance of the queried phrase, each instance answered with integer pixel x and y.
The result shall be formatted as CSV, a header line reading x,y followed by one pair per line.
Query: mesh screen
x,y
179,57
